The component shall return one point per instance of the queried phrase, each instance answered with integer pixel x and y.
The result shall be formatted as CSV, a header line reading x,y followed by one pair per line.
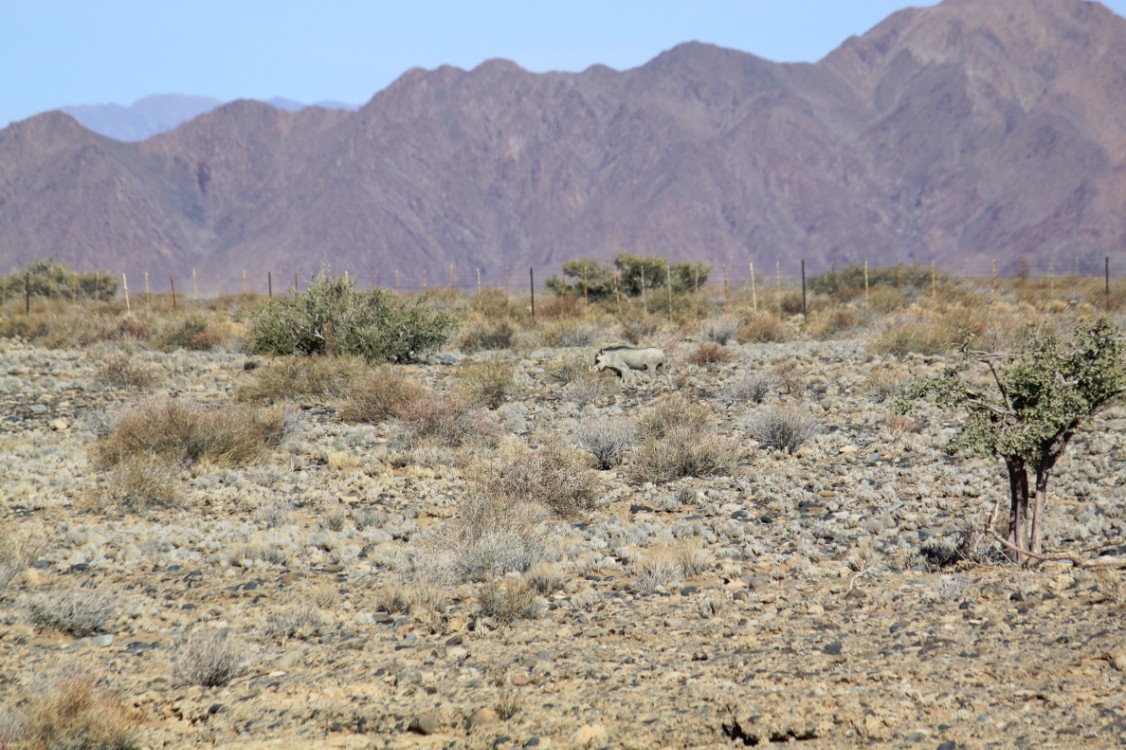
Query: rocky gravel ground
x,y
784,600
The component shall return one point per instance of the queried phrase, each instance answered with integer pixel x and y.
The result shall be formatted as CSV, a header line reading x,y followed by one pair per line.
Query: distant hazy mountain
x,y
160,113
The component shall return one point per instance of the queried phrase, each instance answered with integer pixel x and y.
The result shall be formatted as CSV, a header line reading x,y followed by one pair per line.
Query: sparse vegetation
x,y
607,440
294,378
487,384
77,611
70,710
186,433
210,657
782,428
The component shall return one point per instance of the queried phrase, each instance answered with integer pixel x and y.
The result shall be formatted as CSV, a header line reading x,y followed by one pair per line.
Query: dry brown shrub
x,y
210,657
709,353
142,481
77,611
121,369
684,451
508,600
187,433
673,411
17,551
764,328
554,476
486,384
71,711
483,334
379,396
830,321
639,327
561,306
446,420
302,378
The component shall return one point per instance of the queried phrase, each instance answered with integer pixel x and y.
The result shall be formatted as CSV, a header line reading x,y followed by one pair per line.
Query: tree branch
x,y
1035,558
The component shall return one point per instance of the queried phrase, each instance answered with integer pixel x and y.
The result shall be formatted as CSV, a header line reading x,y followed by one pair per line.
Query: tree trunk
x,y
1018,510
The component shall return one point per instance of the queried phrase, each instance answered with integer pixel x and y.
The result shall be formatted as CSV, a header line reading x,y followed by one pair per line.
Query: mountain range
x,y
958,133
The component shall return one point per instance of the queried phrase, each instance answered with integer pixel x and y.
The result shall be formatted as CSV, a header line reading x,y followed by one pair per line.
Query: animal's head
x,y
599,361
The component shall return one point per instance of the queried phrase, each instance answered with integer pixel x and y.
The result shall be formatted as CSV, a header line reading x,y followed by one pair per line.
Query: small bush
x,y
379,396
191,333
709,353
492,535
564,371
120,369
210,657
639,328
142,481
486,335
333,317
782,427
487,384
445,420
719,330
52,278
655,573
926,338
671,412
554,477
508,600
560,306
297,620
187,433
16,553
71,711
607,440
750,389
684,451
79,612
589,387
317,379
764,328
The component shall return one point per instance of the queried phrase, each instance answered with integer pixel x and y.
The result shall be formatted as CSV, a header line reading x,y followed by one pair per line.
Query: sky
x,y
56,53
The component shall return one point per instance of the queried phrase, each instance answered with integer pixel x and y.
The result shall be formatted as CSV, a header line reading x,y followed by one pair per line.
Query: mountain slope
x,y
960,132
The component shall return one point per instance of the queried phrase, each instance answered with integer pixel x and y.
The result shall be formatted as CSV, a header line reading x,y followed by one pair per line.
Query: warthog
x,y
623,360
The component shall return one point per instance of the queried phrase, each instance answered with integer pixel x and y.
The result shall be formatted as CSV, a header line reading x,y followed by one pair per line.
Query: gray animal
x,y
623,360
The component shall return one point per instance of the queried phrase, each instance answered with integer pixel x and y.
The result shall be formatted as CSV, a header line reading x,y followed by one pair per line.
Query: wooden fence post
x,y
125,287
195,288
865,283
148,302
1106,276
668,280
934,282
172,283
617,294
27,293
532,285
804,311
270,284
244,279
994,281
754,294
726,292
644,301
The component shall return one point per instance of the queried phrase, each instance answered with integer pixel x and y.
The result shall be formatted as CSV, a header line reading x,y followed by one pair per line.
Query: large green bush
x,y
333,317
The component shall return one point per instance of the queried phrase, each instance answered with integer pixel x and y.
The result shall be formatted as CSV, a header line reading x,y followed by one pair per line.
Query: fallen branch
x,y
1035,558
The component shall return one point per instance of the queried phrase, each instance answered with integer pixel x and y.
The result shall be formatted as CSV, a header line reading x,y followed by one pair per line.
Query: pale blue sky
x,y
57,53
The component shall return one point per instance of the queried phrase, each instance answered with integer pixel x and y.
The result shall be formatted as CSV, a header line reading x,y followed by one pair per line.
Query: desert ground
x,y
366,583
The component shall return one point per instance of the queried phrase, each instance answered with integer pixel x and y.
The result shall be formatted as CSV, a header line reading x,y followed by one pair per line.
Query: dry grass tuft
x,y
554,476
301,378
186,433
782,428
764,328
709,353
378,396
142,481
487,384
606,439
509,600
79,611
444,420
122,370
71,711
670,412
210,657
684,451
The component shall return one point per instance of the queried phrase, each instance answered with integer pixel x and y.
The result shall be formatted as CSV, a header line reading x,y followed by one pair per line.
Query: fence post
x,y
424,280
726,293
74,288
396,279
668,280
1107,278
644,301
754,294
125,287
1052,276
994,281
934,282
451,277
778,276
195,288
270,284
865,283
244,279
148,303
617,294
27,293
804,313
532,286
172,283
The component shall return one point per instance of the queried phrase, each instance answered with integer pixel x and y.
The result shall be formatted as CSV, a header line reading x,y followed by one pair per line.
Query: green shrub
x,y
51,278
333,317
